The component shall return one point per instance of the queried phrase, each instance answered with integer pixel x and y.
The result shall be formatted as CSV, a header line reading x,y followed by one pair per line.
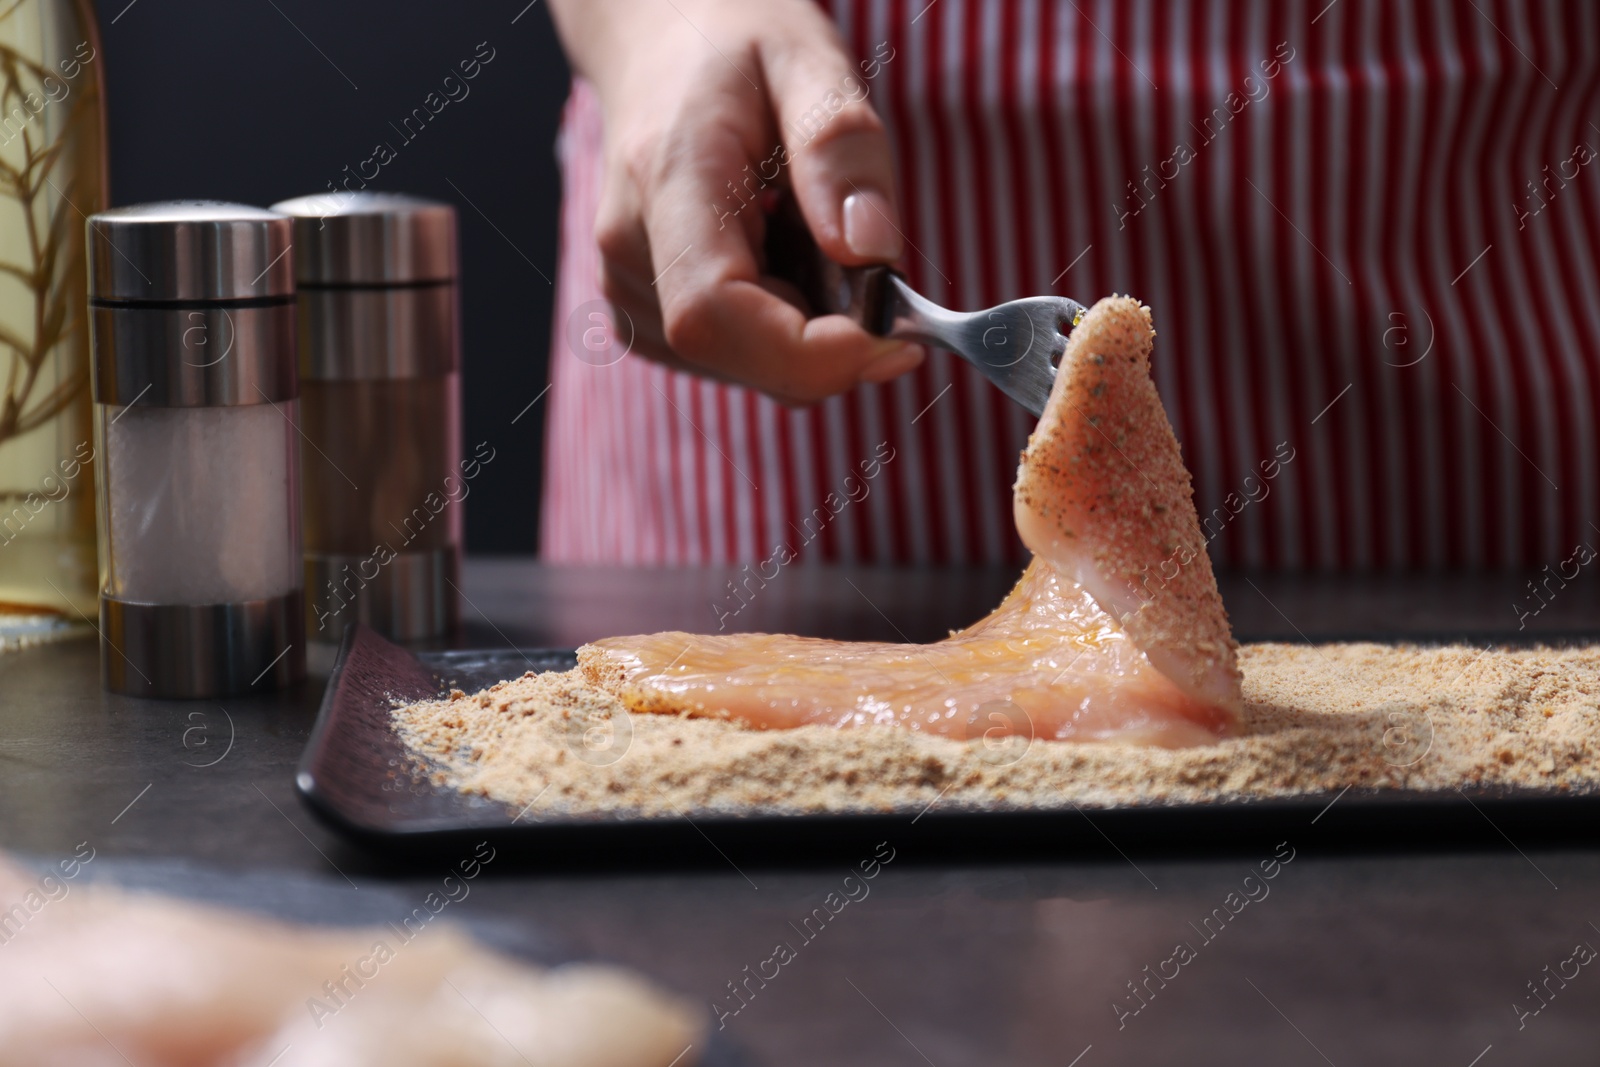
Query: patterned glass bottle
x,y
52,177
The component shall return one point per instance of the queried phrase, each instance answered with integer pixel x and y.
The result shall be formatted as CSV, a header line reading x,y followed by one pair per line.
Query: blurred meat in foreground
x,y
97,977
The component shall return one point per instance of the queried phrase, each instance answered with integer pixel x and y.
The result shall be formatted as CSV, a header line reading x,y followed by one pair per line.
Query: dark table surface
x,y
1398,954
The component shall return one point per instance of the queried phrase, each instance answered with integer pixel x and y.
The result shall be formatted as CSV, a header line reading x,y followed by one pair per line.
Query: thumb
x,y
840,164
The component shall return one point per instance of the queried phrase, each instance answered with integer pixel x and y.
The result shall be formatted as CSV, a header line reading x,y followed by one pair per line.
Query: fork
x,y
1016,345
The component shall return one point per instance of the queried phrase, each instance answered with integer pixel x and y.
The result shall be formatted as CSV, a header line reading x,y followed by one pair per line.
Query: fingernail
x,y
868,228
893,363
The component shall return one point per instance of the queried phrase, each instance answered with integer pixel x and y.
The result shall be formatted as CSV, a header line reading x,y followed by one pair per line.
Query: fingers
x,y
637,312
680,231
840,162
625,265
716,312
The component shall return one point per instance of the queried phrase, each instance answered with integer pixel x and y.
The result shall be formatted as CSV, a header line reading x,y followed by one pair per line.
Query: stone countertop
x,y
1392,956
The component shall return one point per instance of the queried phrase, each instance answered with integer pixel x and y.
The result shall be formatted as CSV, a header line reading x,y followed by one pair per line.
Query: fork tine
x,y
1017,345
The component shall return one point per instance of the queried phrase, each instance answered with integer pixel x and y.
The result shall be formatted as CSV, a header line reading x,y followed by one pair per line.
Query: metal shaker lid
x,y
189,250
345,238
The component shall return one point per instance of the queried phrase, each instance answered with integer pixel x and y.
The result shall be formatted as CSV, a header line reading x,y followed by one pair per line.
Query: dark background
x,y
258,100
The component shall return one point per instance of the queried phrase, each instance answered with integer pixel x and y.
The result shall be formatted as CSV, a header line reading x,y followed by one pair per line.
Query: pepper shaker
x,y
195,390
380,358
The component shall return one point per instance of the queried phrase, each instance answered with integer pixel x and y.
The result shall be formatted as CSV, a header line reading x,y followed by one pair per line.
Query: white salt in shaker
x,y
196,406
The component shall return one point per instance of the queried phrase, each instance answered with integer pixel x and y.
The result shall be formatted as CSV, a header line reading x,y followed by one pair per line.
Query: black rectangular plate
x,y
359,779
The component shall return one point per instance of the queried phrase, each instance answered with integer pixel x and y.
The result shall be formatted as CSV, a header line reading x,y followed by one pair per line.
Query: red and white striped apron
x,y
1382,261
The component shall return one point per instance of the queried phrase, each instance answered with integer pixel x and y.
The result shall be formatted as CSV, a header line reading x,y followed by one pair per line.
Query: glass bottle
x,y
52,176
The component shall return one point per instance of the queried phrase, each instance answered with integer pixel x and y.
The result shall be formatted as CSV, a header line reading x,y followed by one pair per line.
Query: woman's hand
x,y
704,100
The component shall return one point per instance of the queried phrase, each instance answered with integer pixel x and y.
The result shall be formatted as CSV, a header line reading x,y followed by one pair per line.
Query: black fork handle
x,y
863,294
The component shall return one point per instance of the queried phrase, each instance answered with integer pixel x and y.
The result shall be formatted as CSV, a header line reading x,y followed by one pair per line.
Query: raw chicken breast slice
x,y
1115,631
94,976
1102,495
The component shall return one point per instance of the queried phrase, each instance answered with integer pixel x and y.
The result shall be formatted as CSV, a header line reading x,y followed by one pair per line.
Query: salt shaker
x,y
196,392
380,358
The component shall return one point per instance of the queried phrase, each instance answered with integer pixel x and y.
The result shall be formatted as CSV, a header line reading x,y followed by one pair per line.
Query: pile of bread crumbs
x,y
1319,718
